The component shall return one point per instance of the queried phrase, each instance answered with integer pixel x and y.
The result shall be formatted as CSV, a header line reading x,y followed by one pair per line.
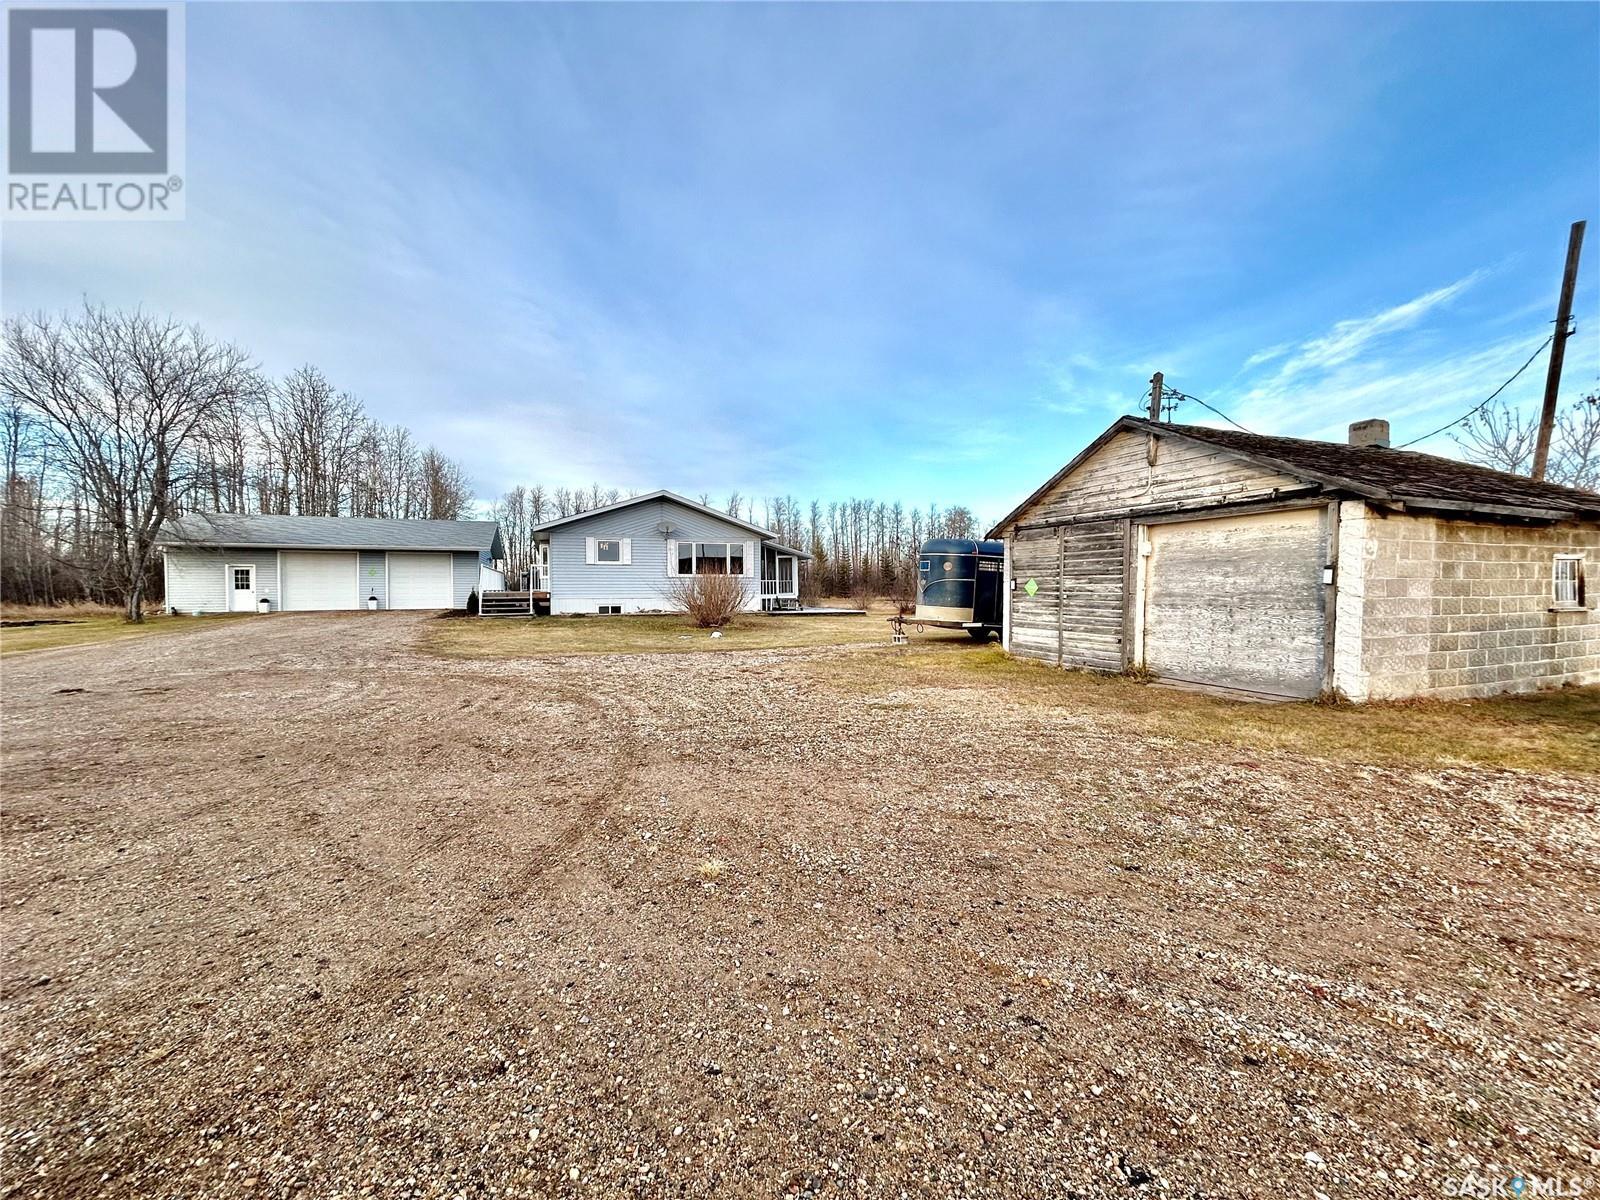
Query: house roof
x,y
646,498
331,533
1401,477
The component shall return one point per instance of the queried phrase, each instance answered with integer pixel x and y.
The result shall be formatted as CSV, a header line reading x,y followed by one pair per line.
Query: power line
x,y
1182,396
1470,413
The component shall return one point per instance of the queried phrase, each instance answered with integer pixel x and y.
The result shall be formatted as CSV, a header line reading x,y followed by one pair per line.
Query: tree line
x,y
112,422
858,547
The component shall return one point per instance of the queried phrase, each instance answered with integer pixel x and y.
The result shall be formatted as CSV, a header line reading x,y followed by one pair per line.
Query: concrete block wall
x,y
1455,609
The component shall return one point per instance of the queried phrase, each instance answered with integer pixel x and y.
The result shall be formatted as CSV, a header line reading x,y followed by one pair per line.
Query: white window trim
x,y
1576,603
752,556
591,554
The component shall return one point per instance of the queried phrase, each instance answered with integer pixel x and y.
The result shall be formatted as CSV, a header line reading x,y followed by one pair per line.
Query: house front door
x,y
785,575
242,588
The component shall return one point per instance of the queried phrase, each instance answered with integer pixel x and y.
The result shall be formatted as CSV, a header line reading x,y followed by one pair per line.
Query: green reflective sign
x,y
1031,587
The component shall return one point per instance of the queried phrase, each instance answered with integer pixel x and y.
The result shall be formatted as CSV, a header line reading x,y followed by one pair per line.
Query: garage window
x,y
1568,581
241,579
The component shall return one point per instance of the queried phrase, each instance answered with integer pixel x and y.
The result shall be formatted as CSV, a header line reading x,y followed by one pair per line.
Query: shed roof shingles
x,y
1396,473
328,533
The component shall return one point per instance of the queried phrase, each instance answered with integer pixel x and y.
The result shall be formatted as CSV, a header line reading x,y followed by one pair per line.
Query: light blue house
x,y
624,557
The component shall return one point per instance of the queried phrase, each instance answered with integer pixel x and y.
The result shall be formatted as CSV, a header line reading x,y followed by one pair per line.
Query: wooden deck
x,y
514,604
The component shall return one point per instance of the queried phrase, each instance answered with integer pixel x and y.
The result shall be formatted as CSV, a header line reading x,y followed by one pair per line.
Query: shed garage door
x,y
420,581
319,580
1238,602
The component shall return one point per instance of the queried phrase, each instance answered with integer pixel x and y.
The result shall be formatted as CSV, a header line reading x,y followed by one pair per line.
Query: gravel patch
x,y
292,909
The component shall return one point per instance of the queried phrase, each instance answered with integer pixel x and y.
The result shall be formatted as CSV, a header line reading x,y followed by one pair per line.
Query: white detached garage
x,y
217,562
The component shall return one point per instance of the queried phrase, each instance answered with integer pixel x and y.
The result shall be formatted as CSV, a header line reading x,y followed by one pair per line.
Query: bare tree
x,y
445,490
1502,437
123,400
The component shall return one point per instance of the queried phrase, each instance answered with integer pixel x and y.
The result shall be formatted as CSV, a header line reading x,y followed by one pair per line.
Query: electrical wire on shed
x,y
1182,396
1472,412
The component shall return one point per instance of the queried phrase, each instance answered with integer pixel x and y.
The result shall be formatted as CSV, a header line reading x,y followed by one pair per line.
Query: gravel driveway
x,y
295,910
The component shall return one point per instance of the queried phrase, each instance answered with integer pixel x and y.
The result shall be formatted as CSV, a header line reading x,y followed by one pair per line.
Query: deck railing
x,y
779,588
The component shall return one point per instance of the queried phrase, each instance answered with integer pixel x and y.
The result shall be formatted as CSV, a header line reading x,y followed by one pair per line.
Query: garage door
x,y
319,580
1238,602
420,581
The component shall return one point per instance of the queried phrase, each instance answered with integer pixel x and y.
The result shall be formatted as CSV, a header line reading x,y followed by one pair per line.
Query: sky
x,y
924,252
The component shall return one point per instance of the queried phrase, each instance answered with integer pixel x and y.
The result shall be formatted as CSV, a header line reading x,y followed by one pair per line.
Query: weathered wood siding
x,y
1075,618
1120,477
1238,602
1072,541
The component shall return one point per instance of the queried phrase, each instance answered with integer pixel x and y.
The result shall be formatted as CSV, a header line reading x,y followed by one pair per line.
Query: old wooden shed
x,y
1285,567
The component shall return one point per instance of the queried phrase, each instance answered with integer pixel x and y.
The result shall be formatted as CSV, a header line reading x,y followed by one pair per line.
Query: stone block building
x,y
1290,568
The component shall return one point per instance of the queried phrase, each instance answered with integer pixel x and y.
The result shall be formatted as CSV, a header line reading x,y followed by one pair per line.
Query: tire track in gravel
x,y
382,984
301,1031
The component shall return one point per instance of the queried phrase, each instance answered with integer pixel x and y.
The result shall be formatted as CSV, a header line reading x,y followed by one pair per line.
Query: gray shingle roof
x,y
1404,477
649,497
331,533
1398,474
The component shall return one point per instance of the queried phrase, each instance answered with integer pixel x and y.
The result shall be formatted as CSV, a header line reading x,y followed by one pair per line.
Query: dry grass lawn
x,y
472,637
85,624
1544,731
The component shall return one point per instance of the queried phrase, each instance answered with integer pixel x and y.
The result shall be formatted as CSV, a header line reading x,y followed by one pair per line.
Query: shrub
x,y
712,870
710,600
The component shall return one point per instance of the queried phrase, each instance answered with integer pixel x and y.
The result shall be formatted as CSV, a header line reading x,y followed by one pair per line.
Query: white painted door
x,y
420,581
319,580
1237,602
241,588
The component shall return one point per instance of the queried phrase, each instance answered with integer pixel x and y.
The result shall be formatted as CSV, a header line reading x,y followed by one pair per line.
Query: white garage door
x,y
1238,602
420,581
319,580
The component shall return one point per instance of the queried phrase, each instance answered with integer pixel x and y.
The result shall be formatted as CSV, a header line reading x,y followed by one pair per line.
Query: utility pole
x,y
1155,396
1558,350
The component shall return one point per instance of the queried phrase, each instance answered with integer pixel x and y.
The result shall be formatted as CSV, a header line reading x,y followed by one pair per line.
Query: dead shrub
x,y
712,870
710,600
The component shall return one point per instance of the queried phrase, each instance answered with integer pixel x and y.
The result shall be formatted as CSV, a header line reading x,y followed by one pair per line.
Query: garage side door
x,y
1238,602
419,580
319,580
1073,615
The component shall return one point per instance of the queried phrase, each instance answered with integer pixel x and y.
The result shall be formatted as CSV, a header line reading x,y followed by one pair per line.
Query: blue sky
x,y
923,252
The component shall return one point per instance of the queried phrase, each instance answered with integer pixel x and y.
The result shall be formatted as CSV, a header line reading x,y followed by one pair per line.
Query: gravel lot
x,y
292,909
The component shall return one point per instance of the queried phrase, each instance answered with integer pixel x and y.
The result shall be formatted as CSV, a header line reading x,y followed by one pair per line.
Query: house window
x,y
608,552
610,610
1568,581
241,579
711,558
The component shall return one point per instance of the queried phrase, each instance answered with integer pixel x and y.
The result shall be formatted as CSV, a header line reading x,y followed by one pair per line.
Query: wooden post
x,y
1061,582
1558,350
1156,381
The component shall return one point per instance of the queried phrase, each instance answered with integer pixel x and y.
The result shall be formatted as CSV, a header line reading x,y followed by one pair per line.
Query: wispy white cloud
x,y
1357,335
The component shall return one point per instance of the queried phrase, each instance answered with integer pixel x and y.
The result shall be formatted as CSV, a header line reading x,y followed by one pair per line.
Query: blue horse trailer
x,y
959,585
